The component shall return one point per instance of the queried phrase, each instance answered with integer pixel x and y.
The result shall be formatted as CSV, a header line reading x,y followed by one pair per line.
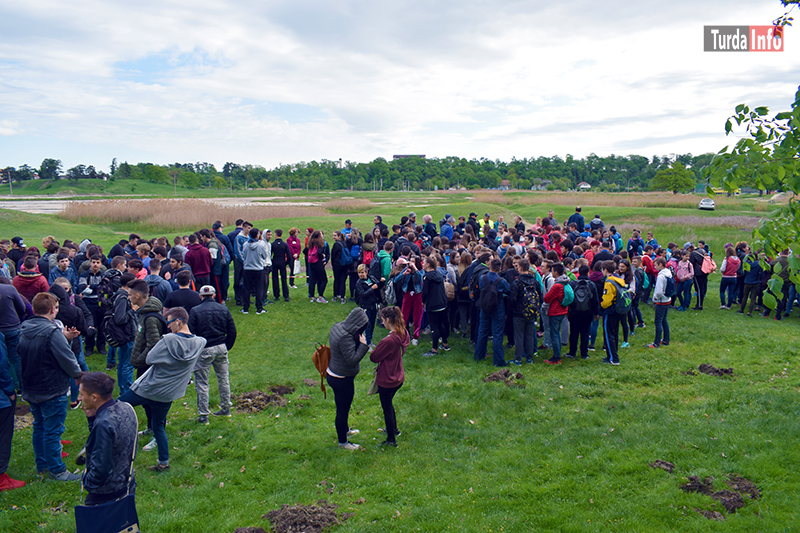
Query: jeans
x,y
546,325
343,392
389,416
12,341
216,356
494,323
158,418
792,298
6,433
635,314
48,427
96,340
124,368
73,386
555,335
727,286
372,314
684,291
661,323
593,331
524,338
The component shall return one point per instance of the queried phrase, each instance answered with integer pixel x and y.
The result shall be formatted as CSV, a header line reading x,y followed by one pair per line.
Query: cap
x,y
207,290
412,214
216,225
487,215
473,214
348,221
446,216
17,240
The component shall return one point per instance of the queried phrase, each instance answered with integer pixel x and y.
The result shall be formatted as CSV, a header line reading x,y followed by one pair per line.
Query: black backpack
x,y
375,270
669,288
489,299
107,290
583,295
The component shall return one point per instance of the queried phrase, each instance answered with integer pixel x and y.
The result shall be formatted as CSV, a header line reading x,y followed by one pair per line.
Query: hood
x,y
253,244
368,246
383,253
563,279
595,275
404,342
84,244
183,348
527,279
195,246
356,321
152,305
36,326
29,274
434,276
59,293
668,272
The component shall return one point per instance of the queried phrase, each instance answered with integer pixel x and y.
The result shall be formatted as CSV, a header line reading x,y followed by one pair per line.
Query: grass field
x,y
567,450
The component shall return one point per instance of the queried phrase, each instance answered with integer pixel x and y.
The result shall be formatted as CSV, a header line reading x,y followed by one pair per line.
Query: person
x,y
696,258
123,322
13,311
368,297
266,238
294,254
281,257
224,271
213,322
752,283
199,260
610,317
89,282
576,218
63,269
29,281
8,404
47,364
685,274
434,298
409,279
171,362
254,256
526,299
556,311
727,286
111,441
158,286
661,304
348,347
583,310
780,267
183,296
317,255
389,376
239,239
71,316
341,261
492,313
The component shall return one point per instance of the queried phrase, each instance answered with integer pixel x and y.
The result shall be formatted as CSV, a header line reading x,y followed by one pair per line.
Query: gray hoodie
x,y
171,363
254,254
346,350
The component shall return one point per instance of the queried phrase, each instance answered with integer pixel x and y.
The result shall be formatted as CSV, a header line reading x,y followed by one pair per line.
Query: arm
x,y
152,333
63,354
101,459
661,285
230,337
383,350
608,295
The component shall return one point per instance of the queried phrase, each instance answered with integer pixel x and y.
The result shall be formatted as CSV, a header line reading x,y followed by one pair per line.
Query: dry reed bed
x,y
638,199
693,221
178,213
348,204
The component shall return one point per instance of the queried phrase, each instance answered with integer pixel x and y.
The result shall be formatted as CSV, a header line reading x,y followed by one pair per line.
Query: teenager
x,y
434,298
661,304
611,318
389,376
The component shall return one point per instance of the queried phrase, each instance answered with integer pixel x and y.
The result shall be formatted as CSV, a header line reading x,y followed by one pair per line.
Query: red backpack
x,y
367,257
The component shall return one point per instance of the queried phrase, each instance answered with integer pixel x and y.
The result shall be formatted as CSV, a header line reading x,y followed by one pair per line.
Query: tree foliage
x,y
49,169
676,179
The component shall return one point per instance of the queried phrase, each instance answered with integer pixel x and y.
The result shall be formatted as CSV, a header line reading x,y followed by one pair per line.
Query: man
x,y
254,257
492,313
199,259
87,288
64,269
473,221
487,221
448,228
47,365
225,274
596,223
123,329
661,303
604,254
378,221
412,218
12,313
519,225
473,274
111,442
176,265
526,293
18,250
8,403
158,286
610,317
281,257
266,237
428,226
780,266
133,242
348,228
238,262
547,284
582,311
30,282
213,322
577,218
184,296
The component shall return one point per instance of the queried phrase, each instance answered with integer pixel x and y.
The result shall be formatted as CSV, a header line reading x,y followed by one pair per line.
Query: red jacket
x,y
30,283
389,353
648,264
554,297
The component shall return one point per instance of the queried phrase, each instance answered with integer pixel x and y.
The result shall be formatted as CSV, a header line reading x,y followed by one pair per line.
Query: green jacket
x,y
148,332
386,263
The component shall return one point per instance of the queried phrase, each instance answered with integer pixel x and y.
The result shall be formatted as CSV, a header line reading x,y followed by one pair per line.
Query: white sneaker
x,y
350,446
353,432
414,342
150,446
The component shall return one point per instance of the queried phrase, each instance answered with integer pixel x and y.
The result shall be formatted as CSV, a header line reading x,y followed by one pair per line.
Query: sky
x,y
277,82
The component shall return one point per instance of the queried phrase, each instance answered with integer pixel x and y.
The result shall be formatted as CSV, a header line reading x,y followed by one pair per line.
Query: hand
x,y
71,333
168,276
12,397
383,279
374,286
362,338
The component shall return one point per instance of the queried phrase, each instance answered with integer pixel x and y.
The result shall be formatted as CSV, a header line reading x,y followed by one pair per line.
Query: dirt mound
x,y
311,382
249,530
282,390
505,375
711,515
744,485
664,465
689,372
713,371
696,485
255,401
305,518
729,499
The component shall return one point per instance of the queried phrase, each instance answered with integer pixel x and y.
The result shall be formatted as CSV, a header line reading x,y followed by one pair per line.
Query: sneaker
x,y
722,307
146,433
515,362
465,335
445,347
624,345
268,302
426,331
150,446
342,301
664,343
605,361
614,363
110,367
322,300
749,314
286,299
245,312
591,347
7,483
430,353
261,312
529,360
75,405
584,357
552,361
414,342
66,475
396,431
640,325
651,345
158,468
313,300
350,446
202,419
352,432
740,312
388,442
222,412
293,287
80,459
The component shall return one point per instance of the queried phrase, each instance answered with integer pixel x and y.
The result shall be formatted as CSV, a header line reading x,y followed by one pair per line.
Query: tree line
x,y
610,173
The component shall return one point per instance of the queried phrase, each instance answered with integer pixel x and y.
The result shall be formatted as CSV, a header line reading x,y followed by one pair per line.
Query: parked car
x,y
707,204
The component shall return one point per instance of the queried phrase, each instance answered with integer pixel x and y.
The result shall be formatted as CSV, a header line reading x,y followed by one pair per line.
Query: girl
x,y
317,255
626,273
435,300
367,297
390,375
730,266
685,274
294,253
339,256
410,281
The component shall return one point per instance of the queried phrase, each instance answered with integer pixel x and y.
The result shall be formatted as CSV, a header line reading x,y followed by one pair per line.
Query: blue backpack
x,y
345,259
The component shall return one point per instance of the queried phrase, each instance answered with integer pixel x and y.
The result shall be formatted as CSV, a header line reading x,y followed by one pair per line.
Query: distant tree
x,y
49,169
76,173
156,174
113,166
190,180
676,179
25,173
124,172
220,183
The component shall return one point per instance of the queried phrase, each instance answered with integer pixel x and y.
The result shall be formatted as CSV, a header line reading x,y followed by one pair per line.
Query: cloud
x,y
8,127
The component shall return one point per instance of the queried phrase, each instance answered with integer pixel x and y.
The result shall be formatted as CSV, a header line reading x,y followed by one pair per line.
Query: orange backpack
x,y
321,358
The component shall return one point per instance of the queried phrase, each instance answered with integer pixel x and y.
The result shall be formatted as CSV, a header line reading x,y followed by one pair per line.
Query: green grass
x,y
567,451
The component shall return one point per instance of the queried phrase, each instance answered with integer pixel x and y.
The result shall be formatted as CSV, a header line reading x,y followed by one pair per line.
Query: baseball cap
x,y
473,214
348,221
412,214
17,240
207,290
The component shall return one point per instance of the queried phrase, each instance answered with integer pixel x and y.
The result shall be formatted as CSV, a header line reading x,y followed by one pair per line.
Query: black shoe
x,y
268,302
388,442
529,360
584,357
591,347
286,299
396,431
740,312
570,356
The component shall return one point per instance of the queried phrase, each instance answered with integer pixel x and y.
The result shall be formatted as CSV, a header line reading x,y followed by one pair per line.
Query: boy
x,y
367,296
661,303
610,317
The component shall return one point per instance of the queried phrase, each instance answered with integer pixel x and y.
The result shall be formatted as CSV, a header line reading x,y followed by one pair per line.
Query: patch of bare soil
x,y
695,484
306,518
311,382
664,465
711,515
744,486
255,401
729,499
22,409
23,418
506,376
249,530
713,371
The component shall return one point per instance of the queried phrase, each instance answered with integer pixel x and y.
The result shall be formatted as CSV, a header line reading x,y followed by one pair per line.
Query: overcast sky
x,y
271,82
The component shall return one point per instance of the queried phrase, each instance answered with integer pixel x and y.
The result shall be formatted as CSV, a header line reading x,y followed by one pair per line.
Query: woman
x,y
684,272
341,261
348,346
294,252
316,258
730,266
434,298
354,246
390,375
171,363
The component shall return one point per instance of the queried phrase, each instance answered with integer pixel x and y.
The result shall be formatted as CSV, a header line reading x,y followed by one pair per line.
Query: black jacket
x,y
213,322
366,296
518,291
70,315
109,448
433,294
696,259
280,254
47,361
124,317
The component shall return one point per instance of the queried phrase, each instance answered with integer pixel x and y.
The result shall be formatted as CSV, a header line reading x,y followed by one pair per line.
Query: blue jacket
x,y
503,287
405,277
753,276
447,231
70,274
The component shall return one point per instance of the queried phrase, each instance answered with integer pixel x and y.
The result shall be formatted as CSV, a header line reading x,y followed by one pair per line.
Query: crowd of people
x,y
158,310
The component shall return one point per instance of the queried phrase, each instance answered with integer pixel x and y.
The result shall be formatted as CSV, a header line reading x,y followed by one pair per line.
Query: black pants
x,y
317,279
200,281
751,290
439,327
97,339
474,321
353,275
291,270
253,282
701,285
611,334
389,416
579,325
267,270
739,288
7,432
339,281
238,290
343,392
279,272
784,301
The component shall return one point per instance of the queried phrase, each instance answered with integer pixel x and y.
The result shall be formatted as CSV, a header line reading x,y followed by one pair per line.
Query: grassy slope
x,y
542,457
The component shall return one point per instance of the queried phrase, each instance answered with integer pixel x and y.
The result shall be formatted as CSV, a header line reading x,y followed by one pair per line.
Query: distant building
x,y
421,156
504,185
583,186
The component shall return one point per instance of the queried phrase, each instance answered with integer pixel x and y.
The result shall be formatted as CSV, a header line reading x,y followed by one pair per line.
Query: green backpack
x,y
569,295
624,299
